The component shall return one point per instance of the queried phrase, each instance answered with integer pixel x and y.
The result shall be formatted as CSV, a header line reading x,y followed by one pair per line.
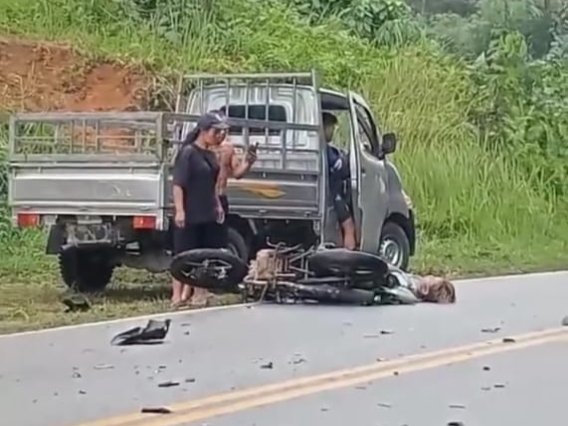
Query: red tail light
x,y
28,220
144,222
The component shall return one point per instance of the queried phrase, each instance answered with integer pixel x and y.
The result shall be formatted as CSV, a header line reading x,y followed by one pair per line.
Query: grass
x,y
478,211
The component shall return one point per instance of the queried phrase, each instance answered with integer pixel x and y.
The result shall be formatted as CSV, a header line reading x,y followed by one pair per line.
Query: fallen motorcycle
x,y
291,274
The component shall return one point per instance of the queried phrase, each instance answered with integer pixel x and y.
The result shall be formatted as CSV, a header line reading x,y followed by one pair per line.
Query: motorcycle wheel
x,y
222,270
346,263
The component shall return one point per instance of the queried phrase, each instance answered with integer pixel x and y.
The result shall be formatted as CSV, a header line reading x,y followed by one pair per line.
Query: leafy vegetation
x,y
476,90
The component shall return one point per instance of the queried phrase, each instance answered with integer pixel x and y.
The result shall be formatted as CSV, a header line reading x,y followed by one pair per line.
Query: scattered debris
x,y
156,410
190,380
461,406
76,375
565,321
387,332
168,384
268,365
384,405
154,333
490,330
76,303
185,324
485,388
186,333
499,385
381,359
299,361
103,367
82,392
508,340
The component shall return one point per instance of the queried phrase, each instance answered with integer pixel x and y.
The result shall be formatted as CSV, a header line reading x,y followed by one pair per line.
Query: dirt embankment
x,y
50,77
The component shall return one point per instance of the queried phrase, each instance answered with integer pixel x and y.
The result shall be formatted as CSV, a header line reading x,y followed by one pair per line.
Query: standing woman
x,y
198,211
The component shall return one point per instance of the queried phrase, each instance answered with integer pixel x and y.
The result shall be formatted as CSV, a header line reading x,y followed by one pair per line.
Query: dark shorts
x,y
197,236
225,203
223,228
342,208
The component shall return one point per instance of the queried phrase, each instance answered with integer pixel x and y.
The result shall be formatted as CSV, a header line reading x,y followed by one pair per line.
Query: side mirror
x,y
389,143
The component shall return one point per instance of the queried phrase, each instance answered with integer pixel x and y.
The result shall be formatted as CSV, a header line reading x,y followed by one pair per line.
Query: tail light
x,y
28,220
144,222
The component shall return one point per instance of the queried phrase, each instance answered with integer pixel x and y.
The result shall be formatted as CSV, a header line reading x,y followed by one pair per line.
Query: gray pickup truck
x,y
101,184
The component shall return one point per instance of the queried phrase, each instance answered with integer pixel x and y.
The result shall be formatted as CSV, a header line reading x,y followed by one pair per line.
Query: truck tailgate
x,y
97,189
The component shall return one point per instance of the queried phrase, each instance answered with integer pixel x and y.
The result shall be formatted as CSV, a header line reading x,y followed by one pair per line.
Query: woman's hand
x,y
179,218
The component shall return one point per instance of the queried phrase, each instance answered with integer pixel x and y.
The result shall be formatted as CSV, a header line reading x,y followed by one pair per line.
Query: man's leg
x,y
220,238
347,224
349,234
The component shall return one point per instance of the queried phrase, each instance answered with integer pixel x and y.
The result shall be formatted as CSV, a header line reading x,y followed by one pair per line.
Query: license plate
x,y
91,233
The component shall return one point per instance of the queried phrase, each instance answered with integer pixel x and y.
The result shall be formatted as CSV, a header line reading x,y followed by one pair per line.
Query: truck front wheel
x,y
395,247
86,269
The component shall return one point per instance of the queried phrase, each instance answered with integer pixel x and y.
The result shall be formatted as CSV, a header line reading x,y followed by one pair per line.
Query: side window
x,y
367,134
256,112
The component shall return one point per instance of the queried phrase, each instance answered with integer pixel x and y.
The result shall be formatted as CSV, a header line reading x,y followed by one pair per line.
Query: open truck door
x,y
368,175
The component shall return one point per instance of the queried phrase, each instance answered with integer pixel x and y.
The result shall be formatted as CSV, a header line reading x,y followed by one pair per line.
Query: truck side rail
x,y
86,137
279,157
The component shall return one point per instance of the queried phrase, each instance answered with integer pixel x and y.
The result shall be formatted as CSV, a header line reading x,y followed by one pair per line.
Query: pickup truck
x,y
100,182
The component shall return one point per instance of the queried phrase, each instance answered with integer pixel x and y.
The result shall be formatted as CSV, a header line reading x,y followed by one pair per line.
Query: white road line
x,y
479,280
127,319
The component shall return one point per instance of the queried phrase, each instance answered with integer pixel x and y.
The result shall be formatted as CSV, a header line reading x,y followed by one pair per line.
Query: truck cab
x,y
101,182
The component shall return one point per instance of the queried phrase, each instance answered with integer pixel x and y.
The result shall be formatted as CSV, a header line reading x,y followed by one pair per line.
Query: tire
x,y
346,263
85,269
237,244
394,246
184,263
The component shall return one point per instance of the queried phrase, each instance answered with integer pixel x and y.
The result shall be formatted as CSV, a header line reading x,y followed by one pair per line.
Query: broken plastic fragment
x,y
156,410
154,332
168,384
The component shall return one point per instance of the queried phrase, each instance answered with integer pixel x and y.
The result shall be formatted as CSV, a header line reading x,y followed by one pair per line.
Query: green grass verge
x,y
478,211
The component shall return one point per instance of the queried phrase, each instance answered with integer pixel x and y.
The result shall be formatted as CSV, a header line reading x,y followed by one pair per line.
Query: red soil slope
x,y
50,77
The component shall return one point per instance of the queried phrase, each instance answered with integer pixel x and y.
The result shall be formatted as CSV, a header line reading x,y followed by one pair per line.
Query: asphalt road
x,y
72,376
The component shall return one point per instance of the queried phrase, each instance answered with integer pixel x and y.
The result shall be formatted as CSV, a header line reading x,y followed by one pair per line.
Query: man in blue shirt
x,y
339,183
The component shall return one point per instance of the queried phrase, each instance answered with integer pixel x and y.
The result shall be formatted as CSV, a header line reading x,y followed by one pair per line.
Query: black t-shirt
x,y
196,171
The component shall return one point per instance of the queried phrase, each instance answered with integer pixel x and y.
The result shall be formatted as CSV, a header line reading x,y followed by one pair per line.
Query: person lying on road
x,y
416,288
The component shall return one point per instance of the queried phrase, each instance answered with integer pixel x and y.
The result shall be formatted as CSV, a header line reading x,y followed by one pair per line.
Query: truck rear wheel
x,y
85,269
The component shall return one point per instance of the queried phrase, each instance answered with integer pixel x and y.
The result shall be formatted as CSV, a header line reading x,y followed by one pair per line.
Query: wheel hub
x,y
391,251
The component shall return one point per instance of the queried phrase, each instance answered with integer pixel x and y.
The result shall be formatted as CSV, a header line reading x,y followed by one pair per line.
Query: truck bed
x,y
118,164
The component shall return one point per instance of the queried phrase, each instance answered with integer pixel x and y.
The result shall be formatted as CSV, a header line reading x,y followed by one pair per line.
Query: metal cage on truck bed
x,y
116,164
